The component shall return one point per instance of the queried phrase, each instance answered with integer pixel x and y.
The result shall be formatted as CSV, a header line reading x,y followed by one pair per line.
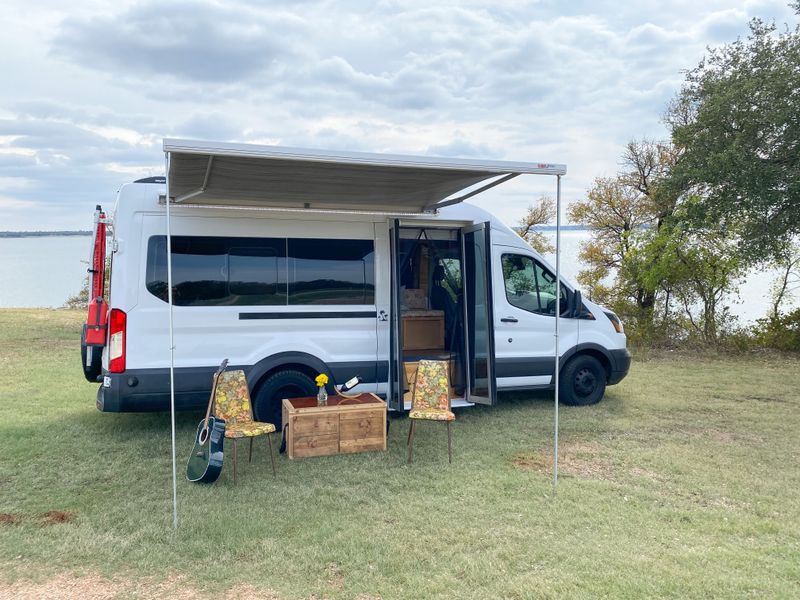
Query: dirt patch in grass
x,y
94,587
51,517
720,435
334,576
54,517
644,473
580,459
9,519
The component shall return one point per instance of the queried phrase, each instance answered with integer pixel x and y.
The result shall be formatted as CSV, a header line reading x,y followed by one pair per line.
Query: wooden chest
x,y
343,425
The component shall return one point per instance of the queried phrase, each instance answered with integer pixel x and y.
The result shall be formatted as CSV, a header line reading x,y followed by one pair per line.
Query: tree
x,y
540,213
737,124
641,238
788,281
620,211
696,267
613,212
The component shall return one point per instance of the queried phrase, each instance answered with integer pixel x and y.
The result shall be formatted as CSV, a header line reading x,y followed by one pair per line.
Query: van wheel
x,y
583,381
280,385
91,371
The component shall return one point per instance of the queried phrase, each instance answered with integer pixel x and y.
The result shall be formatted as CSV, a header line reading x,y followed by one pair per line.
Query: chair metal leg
x,y
271,455
251,450
408,439
449,444
411,441
234,461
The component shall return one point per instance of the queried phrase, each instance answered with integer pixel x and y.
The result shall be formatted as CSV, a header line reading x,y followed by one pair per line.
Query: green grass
x,y
682,483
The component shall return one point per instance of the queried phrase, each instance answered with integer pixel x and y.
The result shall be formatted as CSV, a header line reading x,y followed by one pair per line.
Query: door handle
x,y
509,320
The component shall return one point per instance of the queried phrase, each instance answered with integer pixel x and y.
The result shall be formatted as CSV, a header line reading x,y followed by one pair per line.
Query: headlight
x,y
615,322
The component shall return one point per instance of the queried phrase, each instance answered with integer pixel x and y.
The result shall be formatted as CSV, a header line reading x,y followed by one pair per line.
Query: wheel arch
x,y
303,362
588,349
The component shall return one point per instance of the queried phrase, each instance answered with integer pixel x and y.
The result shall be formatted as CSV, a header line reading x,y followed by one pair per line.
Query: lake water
x,y
44,272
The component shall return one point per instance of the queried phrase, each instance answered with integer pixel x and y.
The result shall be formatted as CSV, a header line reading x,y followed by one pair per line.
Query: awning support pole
x,y
556,375
481,189
171,353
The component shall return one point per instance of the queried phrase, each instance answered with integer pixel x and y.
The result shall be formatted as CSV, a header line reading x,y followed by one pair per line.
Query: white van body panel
x,y
206,334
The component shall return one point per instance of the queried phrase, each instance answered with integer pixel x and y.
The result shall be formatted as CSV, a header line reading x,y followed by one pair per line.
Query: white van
x,y
287,294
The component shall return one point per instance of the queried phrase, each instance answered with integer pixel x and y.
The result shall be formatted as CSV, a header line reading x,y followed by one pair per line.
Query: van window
x,y
257,272
530,286
331,271
199,268
214,271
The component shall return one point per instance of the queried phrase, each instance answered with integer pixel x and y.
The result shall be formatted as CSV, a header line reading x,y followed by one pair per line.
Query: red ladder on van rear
x,y
96,325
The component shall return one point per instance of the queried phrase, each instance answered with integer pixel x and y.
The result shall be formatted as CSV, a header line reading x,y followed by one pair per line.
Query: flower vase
x,y
322,396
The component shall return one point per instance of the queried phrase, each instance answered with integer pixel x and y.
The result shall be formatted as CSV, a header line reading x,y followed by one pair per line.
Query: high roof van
x,y
289,293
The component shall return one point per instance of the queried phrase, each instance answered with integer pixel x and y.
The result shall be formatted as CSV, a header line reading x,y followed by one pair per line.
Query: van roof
x,y
218,173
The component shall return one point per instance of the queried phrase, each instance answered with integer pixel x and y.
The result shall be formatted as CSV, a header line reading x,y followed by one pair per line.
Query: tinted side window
x,y
212,271
199,270
215,271
331,271
257,271
530,286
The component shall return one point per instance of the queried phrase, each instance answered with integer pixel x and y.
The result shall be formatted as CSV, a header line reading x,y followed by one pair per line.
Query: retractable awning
x,y
215,173
246,175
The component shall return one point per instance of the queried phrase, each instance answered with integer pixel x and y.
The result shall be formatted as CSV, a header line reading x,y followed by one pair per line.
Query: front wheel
x,y
583,381
283,384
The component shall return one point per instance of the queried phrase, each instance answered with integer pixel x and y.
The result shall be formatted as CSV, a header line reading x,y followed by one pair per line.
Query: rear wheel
x,y
583,381
283,384
92,366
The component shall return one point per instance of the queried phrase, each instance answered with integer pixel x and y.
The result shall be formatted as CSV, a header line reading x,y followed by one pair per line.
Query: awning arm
x,y
463,197
203,187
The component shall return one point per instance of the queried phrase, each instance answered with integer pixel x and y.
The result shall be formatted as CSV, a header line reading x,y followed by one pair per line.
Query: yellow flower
x,y
321,379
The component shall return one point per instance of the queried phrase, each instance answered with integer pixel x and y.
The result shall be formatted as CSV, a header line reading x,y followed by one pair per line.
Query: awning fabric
x,y
215,173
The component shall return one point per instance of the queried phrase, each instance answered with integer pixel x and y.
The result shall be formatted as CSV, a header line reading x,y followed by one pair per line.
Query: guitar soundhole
x,y
203,436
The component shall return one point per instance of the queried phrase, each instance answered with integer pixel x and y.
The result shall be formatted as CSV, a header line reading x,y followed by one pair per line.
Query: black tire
x,y
283,384
583,381
91,371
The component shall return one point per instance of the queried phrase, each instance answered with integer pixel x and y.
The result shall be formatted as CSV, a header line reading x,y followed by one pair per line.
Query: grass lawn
x,y
682,483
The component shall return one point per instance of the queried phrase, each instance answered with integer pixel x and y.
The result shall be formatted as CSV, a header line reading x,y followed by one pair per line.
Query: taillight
x,y
116,341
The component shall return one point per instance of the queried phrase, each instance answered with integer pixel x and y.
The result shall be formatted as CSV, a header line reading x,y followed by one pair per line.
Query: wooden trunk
x,y
343,425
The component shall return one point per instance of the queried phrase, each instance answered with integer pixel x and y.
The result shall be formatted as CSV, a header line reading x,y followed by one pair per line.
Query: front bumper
x,y
620,365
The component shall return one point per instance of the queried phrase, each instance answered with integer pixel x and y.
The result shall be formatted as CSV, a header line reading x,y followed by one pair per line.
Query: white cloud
x,y
90,88
14,204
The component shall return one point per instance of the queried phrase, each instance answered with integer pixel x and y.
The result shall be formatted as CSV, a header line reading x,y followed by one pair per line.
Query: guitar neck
x,y
211,399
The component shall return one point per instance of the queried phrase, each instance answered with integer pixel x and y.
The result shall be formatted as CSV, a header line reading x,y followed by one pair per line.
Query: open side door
x,y
394,396
478,314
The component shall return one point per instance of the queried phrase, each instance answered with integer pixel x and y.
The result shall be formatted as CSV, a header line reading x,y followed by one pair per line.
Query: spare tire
x,y
93,365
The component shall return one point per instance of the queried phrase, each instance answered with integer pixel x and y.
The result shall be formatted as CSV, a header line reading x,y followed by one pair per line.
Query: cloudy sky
x,y
89,89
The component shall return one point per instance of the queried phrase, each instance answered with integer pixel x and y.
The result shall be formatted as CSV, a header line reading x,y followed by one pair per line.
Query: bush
x,y
781,332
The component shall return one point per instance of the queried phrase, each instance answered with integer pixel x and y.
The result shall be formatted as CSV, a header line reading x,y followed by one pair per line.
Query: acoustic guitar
x,y
205,461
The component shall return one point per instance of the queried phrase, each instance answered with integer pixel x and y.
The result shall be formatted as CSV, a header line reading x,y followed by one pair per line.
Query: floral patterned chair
x,y
232,403
430,400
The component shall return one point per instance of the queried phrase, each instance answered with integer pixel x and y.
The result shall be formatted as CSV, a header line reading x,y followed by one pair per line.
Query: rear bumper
x,y
620,365
147,390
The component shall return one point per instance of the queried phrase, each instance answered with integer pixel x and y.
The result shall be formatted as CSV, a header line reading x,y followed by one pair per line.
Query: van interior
x,y
431,299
